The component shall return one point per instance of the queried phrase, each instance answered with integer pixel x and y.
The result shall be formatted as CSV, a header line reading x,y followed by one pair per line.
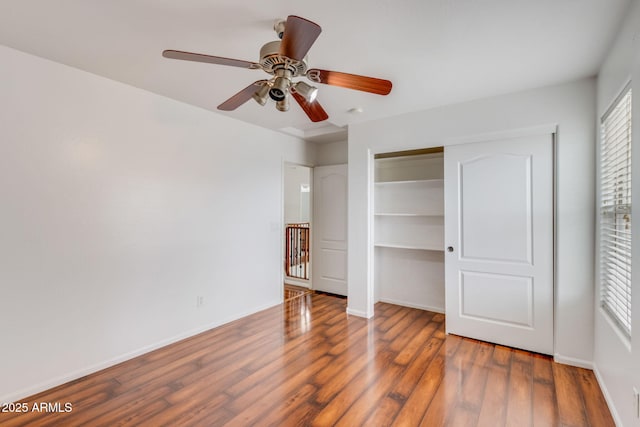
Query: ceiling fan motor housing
x,y
271,60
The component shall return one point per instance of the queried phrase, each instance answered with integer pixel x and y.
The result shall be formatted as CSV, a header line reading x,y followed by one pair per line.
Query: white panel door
x,y
499,238
329,232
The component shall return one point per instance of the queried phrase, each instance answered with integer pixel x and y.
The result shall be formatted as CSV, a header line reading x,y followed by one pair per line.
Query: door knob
x,y
450,249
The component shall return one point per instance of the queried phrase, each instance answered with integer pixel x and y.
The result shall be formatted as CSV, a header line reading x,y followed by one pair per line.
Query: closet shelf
x,y
433,182
408,236
413,247
409,214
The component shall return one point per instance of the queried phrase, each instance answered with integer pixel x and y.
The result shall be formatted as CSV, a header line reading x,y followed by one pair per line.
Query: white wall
x,y
119,208
617,363
297,205
331,153
569,106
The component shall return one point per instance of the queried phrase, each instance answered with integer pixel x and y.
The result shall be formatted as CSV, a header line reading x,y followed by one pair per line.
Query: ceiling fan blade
x,y
313,109
241,97
198,57
350,81
299,35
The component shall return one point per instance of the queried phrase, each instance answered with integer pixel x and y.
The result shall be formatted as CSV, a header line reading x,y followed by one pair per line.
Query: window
x,y
615,211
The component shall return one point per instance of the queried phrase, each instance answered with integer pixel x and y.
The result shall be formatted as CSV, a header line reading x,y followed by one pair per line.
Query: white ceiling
x,y
435,52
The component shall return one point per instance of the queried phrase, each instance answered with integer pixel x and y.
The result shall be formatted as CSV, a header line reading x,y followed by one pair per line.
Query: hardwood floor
x,y
291,291
308,363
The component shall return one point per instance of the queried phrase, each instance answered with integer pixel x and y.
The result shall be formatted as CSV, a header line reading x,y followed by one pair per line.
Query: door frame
x,y
543,129
285,164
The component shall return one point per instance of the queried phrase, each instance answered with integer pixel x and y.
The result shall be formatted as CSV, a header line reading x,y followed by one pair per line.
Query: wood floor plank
x,y
494,407
355,329
282,413
290,377
421,396
593,399
301,416
569,396
374,393
86,394
139,417
461,417
354,343
272,354
407,349
393,320
502,356
181,365
358,354
298,357
174,369
398,332
184,410
412,412
261,400
384,413
344,399
545,411
297,341
307,362
520,392
337,332
494,402
352,363
118,407
416,370
473,386
449,391
383,310
223,372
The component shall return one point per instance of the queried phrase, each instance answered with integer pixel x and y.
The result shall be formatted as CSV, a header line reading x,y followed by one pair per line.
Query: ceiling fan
x,y
286,59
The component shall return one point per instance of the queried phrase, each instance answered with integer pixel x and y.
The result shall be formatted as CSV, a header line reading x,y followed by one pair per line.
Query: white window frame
x,y
615,212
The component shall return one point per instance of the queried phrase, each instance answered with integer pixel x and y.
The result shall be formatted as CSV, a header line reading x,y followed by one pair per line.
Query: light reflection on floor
x,y
297,309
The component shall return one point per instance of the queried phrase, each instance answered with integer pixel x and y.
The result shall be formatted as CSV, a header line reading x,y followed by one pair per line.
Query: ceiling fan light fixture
x,y
278,91
260,96
306,90
283,104
281,84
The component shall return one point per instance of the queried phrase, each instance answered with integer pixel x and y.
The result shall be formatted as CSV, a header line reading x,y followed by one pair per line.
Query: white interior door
x,y
329,234
499,238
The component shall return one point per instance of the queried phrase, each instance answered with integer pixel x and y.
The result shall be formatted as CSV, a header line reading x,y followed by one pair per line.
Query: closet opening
x,y
409,228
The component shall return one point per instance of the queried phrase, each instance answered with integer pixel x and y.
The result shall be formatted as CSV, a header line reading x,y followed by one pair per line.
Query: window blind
x,y
615,212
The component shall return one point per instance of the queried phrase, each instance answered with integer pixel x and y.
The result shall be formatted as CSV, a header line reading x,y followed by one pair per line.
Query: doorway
x,y
297,225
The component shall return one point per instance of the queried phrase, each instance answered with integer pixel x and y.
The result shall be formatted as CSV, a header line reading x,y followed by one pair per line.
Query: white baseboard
x,y
572,361
297,282
607,396
62,379
413,305
359,313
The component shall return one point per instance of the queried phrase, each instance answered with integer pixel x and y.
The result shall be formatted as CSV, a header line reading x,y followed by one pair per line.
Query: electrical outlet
x,y
200,301
636,402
